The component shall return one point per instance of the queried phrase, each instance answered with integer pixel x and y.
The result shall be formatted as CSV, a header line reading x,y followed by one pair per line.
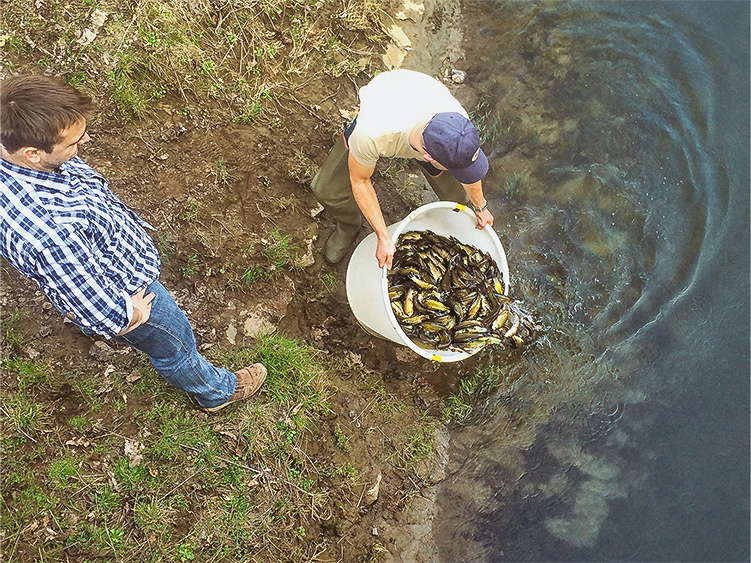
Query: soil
x,y
218,194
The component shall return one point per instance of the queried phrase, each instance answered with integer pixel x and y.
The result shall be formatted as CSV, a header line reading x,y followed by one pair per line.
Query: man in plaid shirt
x,y
61,227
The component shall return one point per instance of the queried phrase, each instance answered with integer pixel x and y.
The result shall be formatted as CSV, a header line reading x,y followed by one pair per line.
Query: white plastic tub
x,y
367,286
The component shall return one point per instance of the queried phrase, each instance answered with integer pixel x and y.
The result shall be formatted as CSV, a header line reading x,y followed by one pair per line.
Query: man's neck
x,y
15,158
415,136
19,159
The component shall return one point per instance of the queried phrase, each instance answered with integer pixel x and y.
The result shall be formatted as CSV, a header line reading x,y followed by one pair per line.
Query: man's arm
x,y
75,284
474,191
365,196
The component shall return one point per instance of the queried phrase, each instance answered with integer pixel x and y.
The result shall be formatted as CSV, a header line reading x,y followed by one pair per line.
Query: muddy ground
x,y
218,194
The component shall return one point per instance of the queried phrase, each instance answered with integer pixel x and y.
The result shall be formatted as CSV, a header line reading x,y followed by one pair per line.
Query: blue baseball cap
x,y
452,140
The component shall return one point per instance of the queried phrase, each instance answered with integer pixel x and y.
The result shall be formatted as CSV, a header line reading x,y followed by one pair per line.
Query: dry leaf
x,y
133,450
78,442
355,358
133,376
106,387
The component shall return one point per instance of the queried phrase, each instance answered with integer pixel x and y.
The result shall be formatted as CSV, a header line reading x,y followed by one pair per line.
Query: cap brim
x,y
472,173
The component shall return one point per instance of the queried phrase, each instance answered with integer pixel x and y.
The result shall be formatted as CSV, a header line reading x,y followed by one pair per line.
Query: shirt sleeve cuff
x,y
128,308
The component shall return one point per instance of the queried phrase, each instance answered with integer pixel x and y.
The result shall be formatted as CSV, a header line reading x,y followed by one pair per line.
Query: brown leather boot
x,y
249,380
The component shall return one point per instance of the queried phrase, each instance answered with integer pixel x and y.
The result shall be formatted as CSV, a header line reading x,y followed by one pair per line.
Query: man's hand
x,y
141,309
484,218
477,199
385,251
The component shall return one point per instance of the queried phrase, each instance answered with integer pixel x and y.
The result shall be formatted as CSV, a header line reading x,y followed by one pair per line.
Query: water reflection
x,y
626,227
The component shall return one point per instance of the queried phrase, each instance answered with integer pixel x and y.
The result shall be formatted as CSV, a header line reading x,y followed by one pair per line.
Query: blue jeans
x,y
167,339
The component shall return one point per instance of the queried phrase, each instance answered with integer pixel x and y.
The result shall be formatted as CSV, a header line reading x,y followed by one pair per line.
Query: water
x,y
622,433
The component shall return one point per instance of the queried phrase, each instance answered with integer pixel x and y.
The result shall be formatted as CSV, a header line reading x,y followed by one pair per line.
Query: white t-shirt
x,y
391,105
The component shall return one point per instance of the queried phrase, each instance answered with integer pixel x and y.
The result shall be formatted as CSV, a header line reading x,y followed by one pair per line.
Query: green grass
x,y
191,265
341,438
277,250
205,471
328,281
460,405
303,168
24,414
28,372
11,335
191,210
241,484
62,470
253,274
209,58
224,177
419,445
350,471
395,167
514,184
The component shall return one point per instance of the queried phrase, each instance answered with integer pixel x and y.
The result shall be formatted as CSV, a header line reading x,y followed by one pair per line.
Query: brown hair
x,y
35,110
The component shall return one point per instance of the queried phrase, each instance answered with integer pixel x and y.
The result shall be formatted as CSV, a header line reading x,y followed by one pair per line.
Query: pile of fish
x,y
447,295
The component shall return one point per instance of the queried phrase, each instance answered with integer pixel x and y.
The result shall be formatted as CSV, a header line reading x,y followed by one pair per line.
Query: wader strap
x,y
348,132
429,168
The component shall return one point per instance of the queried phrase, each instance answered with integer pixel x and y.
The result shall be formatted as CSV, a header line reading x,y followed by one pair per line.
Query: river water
x,y
622,432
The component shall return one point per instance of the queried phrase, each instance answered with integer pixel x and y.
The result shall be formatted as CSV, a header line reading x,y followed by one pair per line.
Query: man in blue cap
x,y
403,114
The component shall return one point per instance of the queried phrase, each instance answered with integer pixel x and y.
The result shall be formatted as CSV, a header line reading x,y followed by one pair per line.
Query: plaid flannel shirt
x,y
71,235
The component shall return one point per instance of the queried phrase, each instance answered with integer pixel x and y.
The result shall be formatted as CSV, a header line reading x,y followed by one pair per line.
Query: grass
x,y
226,487
303,168
224,176
12,337
499,130
192,208
240,60
24,418
341,438
62,471
514,184
395,168
268,256
257,481
27,371
185,463
460,405
191,265
419,445
277,250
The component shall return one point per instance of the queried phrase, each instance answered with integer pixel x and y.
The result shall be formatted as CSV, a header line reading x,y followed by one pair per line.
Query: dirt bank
x,y
241,236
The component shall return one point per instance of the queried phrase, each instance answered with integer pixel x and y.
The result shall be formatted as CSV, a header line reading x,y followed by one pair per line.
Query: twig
x,y
125,33
365,486
362,412
109,540
310,111
310,460
257,471
230,231
338,86
181,484
25,434
166,222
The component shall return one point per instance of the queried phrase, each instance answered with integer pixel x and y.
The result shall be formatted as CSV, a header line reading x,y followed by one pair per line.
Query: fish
x,y
413,320
447,294
514,326
409,306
